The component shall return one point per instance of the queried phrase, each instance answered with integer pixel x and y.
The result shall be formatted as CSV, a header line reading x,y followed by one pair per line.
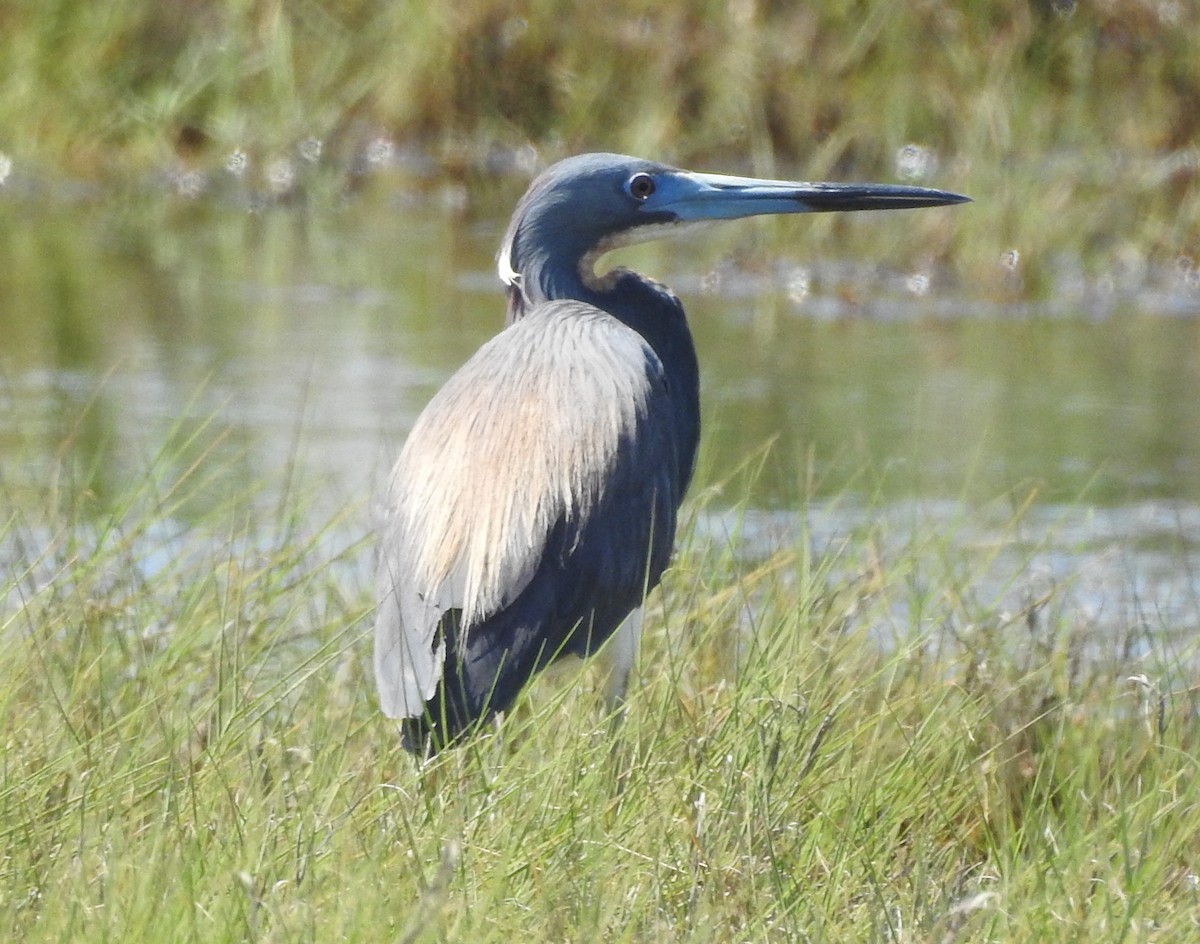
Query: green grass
x,y
192,752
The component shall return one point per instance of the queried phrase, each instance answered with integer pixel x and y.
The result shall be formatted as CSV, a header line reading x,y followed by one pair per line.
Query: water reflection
x,y
315,338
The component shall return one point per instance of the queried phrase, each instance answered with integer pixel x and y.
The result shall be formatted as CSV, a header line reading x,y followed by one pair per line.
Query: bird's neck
x,y
656,314
647,307
538,281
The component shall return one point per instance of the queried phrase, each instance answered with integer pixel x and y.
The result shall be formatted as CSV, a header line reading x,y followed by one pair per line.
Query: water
x,y
289,341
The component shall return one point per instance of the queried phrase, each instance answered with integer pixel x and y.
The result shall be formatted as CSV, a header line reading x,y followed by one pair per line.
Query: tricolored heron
x,y
534,503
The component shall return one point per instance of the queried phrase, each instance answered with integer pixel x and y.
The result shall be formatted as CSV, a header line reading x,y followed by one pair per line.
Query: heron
x,y
534,503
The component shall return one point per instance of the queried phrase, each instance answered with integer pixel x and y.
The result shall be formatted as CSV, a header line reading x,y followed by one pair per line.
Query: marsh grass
x,y
848,741
1074,126
766,79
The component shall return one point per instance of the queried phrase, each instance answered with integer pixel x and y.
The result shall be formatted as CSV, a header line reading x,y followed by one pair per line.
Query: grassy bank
x,y
1074,125
192,753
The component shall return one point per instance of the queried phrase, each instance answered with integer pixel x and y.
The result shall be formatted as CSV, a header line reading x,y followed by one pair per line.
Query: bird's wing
x,y
524,440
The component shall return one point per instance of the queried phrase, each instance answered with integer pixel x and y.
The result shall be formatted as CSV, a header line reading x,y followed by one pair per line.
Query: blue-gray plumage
x,y
534,504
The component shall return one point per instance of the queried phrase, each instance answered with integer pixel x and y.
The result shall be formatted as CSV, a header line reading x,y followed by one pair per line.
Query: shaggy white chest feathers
x,y
523,436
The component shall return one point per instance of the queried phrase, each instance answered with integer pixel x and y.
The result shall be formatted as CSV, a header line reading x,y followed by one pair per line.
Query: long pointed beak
x,y
690,196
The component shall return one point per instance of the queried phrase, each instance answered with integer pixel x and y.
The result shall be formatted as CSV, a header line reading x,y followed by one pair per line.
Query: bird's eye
x,y
640,187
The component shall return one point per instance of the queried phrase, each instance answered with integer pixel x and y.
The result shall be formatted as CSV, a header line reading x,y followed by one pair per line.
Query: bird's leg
x,y
621,653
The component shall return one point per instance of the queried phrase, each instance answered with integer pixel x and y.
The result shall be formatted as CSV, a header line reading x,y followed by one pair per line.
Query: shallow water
x,y
309,340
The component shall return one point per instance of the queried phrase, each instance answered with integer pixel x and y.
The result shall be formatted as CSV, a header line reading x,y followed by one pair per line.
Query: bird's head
x,y
588,204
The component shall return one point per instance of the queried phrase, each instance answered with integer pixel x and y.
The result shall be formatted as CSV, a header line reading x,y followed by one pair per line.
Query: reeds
x,y
854,740
1074,126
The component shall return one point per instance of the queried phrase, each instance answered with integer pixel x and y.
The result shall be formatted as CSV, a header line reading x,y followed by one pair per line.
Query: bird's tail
x,y
481,677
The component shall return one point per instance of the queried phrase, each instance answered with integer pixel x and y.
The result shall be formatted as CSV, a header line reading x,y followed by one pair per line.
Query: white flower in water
x,y
798,285
281,175
918,284
914,162
189,184
310,149
379,152
512,30
237,162
5,168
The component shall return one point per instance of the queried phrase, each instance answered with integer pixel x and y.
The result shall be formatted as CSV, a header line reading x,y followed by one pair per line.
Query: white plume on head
x,y
508,275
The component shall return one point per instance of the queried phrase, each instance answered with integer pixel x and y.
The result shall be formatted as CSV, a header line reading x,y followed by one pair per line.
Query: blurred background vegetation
x,y
1074,125
110,89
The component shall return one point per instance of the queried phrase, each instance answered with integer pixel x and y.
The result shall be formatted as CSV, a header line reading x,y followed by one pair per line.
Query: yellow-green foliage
x,y
192,753
1074,126
118,86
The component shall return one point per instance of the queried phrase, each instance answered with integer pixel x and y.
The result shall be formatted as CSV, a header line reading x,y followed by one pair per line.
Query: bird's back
x,y
533,506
